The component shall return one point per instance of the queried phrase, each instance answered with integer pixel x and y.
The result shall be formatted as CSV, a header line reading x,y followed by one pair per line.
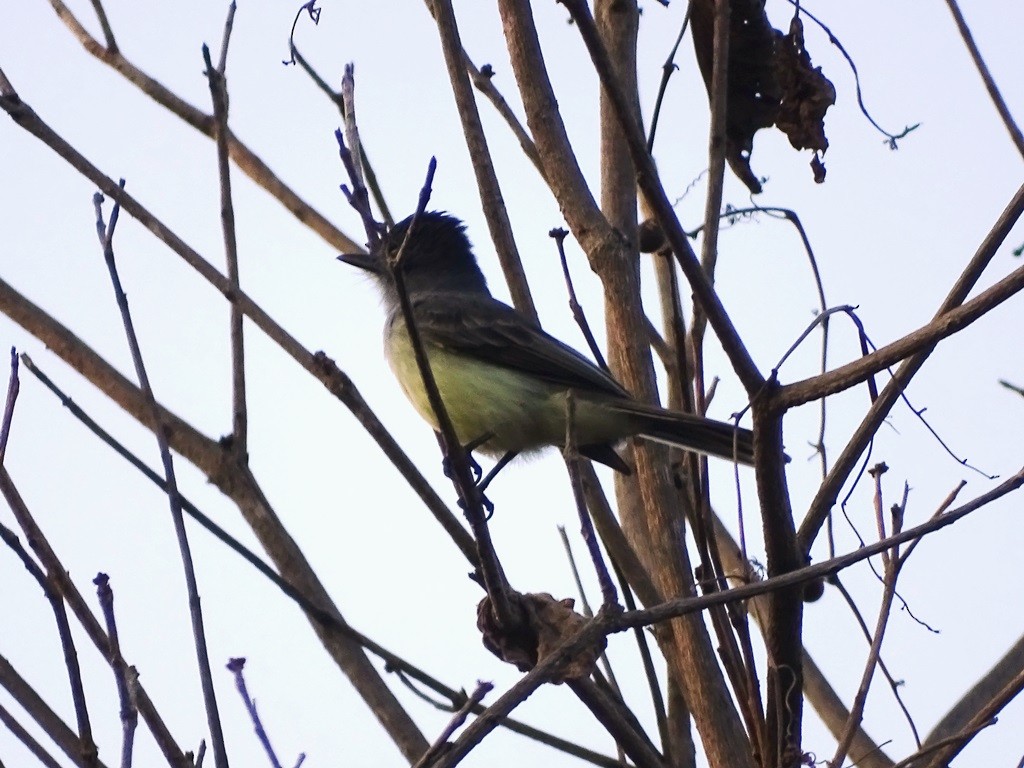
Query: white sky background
x,y
891,231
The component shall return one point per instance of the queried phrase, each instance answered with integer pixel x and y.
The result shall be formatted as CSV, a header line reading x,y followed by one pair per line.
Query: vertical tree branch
x,y
106,236
486,178
219,97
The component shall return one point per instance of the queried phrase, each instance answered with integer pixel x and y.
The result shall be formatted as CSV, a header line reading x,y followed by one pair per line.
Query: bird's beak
x,y
363,261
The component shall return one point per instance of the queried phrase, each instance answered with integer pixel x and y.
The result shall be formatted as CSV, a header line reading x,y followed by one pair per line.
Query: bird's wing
x,y
484,328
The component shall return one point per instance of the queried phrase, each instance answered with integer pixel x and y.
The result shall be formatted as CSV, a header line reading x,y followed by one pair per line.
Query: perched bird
x,y
502,379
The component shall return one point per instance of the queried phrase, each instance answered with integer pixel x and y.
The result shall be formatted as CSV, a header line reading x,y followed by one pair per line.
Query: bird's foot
x,y
474,467
486,504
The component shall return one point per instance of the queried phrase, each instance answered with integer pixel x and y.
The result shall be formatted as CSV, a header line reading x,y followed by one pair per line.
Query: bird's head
x,y
437,257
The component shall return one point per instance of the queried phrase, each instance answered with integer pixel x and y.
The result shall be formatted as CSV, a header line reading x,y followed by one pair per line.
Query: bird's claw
x,y
485,503
474,468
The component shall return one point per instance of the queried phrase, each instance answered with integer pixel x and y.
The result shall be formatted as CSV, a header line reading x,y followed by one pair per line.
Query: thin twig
x,y
892,564
235,666
558,235
219,96
479,692
106,237
108,32
13,386
717,140
891,138
126,688
585,607
918,354
647,660
894,685
957,741
483,81
667,69
338,100
609,596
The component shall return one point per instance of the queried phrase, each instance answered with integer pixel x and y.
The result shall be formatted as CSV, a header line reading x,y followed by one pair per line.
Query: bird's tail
x,y
694,433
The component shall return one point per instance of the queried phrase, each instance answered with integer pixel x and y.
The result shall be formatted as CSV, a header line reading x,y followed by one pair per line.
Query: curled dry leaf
x,y
547,624
771,82
806,93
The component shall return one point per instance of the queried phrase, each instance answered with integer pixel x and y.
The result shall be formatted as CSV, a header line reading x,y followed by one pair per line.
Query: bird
x,y
503,379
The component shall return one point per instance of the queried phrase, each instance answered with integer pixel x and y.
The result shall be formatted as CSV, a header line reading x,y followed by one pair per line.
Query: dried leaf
x,y
806,93
771,82
547,624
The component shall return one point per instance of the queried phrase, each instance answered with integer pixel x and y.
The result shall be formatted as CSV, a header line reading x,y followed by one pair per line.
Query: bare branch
x,y
990,84
487,183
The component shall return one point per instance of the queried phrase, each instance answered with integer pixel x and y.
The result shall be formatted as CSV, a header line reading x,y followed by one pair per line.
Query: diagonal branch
x,y
990,84
238,483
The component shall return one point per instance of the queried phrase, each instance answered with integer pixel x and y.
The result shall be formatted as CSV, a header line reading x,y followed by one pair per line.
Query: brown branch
x,y
219,97
975,700
19,732
238,483
990,84
87,751
487,183
650,185
62,580
48,720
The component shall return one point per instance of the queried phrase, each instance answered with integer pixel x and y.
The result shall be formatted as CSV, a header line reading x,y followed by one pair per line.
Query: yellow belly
x,y
521,412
